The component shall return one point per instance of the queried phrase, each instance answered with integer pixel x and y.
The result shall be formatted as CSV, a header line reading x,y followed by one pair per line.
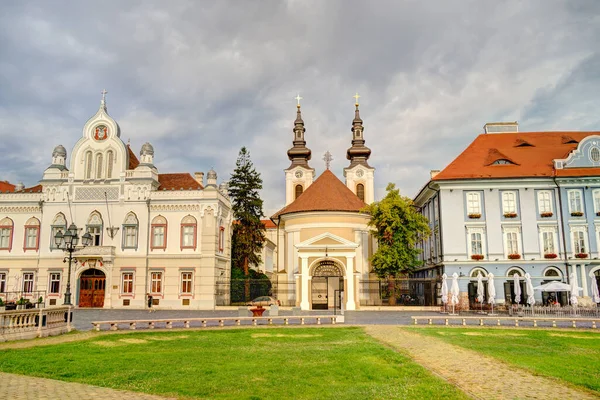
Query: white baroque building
x,y
163,234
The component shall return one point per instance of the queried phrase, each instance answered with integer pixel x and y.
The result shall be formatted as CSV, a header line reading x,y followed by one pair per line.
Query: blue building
x,y
516,202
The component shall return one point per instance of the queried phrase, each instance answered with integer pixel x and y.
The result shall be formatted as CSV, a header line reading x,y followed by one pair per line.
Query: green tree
x,y
398,229
248,231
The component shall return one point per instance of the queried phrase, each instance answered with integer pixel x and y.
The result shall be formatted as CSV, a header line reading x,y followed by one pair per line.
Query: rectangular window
x,y
96,232
31,237
544,202
473,203
476,245
548,242
5,235
156,281
186,283
2,282
127,283
579,242
509,202
130,236
28,282
158,237
575,202
54,283
188,233
597,201
512,244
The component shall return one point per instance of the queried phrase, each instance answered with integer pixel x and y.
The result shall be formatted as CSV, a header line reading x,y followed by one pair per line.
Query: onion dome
x,y
299,154
358,153
147,149
59,151
212,174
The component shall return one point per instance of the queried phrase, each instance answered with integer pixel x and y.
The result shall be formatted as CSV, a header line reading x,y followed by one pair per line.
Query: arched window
x,y
88,165
59,224
360,191
109,164
98,166
32,234
188,233
6,232
159,233
130,231
221,236
476,270
299,190
94,227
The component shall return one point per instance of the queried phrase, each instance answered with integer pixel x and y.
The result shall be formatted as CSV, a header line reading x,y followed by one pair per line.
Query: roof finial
x,y
327,158
103,101
356,97
298,98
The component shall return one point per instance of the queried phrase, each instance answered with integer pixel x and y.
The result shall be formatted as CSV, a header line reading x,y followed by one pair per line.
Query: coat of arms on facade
x,y
101,132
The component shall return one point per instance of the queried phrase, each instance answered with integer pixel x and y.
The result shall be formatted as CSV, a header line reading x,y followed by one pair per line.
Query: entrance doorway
x,y
327,284
91,288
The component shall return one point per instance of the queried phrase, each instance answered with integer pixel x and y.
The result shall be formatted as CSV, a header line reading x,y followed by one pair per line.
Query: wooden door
x,y
91,289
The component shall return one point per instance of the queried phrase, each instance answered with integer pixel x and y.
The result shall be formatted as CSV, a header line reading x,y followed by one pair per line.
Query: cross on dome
x,y
356,97
327,158
103,101
298,98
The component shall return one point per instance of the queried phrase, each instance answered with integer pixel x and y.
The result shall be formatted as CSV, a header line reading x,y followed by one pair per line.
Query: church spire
x,y
358,153
299,154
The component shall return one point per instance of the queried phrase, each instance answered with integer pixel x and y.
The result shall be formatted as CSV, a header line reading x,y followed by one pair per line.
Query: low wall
x,y
30,324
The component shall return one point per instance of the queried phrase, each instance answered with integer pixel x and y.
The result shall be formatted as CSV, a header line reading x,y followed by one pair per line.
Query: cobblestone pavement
x,y
18,387
489,380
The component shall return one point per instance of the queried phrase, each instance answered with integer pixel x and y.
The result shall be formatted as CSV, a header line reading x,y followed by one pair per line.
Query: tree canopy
x,y
399,227
248,231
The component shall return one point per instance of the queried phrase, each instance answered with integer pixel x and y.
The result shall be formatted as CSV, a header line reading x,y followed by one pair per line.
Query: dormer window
x,y
503,161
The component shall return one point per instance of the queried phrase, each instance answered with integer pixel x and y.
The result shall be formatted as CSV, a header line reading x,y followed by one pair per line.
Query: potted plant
x,y
577,214
550,255
477,257
510,215
474,215
40,302
22,303
581,255
546,214
514,256
2,306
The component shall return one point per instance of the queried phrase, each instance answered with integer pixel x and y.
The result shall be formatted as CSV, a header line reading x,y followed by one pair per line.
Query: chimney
x,y
501,127
433,173
199,177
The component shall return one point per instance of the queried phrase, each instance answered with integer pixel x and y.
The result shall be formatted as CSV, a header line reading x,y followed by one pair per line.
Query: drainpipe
x,y
146,288
562,227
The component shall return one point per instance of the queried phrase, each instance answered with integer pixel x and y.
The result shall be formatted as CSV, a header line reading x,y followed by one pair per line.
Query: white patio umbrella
x,y
574,289
454,291
491,292
529,288
480,290
553,287
594,288
517,288
444,289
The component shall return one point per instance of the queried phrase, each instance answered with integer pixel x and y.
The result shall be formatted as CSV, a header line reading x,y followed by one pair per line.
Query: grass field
x,y
326,363
567,355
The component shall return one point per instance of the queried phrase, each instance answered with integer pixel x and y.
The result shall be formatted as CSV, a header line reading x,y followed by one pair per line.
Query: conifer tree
x,y
248,231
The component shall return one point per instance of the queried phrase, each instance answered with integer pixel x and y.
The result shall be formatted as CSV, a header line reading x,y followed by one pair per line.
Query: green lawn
x,y
307,363
568,355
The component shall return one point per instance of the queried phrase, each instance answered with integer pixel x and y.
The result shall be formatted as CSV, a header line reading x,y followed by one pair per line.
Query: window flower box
x,y
514,256
510,215
577,214
546,214
477,257
581,255
474,215
550,255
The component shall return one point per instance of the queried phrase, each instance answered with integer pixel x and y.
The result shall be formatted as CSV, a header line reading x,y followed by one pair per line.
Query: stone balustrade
x,y
29,324
497,320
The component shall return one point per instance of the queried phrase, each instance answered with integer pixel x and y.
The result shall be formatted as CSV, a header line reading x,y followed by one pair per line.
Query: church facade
x,y
322,240
163,234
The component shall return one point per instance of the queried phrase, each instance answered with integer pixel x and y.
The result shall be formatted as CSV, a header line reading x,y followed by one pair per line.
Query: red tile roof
x,y
181,181
5,186
133,160
327,193
268,224
33,189
531,152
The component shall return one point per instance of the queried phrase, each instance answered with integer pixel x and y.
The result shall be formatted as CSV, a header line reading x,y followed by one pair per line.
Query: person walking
x,y
149,296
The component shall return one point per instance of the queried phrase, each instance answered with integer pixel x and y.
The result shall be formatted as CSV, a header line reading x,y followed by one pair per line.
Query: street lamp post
x,y
68,242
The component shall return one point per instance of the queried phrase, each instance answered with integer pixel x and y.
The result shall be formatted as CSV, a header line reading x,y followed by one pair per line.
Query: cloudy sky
x,y
201,79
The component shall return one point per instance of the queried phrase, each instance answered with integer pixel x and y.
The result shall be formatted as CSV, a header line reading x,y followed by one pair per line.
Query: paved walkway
x,y
478,375
18,387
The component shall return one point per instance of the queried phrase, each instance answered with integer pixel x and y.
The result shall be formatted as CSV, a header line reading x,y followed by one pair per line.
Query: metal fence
x,y
398,292
22,299
241,291
553,311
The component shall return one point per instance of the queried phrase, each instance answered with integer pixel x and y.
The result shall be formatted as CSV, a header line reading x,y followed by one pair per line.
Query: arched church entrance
x,y
327,286
92,284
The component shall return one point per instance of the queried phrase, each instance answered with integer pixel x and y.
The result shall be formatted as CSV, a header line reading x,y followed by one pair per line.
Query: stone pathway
x,y
490,379
18,387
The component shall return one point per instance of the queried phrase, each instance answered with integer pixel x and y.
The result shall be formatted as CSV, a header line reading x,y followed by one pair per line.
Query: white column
x,y
575,275
350,303
584,282
304,304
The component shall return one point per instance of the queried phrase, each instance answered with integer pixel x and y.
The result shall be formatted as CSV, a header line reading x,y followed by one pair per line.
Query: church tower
x,y
359,174
299,175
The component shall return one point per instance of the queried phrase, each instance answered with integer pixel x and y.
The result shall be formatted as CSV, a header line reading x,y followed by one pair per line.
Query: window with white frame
x,y
188,232
130,231
548,240
159,233
186,283
32,234
512,241
2,282
476,241
54,285
156,283
94,227
28,282
597,201
575,202
579,241
509,202
6,229
127,283
58,225
473,203
545,202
